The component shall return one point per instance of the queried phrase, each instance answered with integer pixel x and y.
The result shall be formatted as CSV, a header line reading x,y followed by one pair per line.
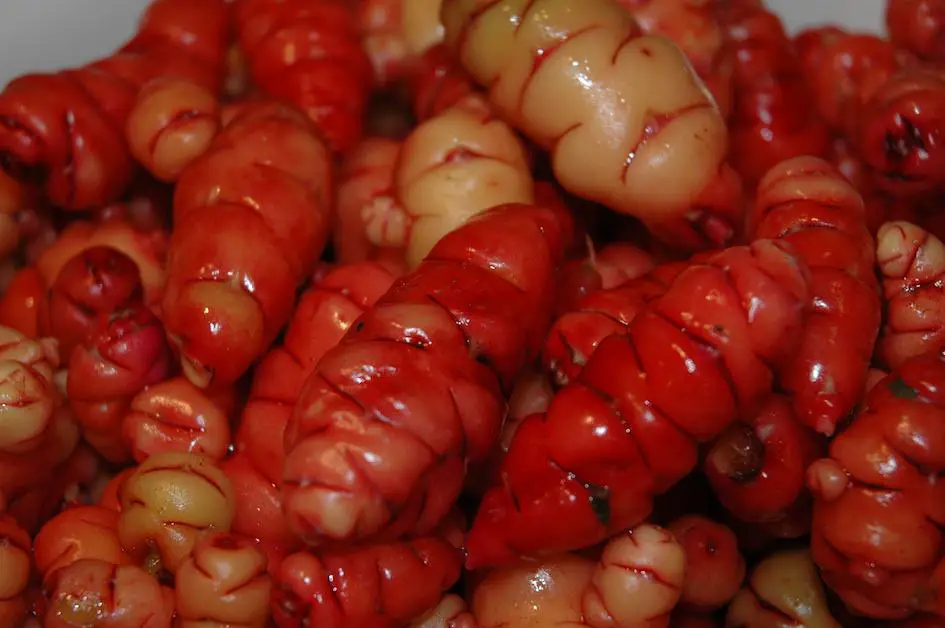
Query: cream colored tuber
x,y
28,397
172,123
783,591
167,505
15,567
451,612
223,583
451,167
175,415
636,584
422,28
626,120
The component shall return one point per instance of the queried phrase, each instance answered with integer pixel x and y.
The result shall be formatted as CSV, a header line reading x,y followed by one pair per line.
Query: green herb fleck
x,y
599,498
902,390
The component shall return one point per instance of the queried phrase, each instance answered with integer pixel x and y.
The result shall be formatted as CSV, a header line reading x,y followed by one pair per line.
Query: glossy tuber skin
x,y
783,591
635,584
715,568
770,121
173,122
694,26
96,593
365,179
146,248
111,493
64,130
877,531
809,205
899,130
811,45
15,569
251,220
528,593
174,415
451,612
644,595
78,533
917,26
223,583
619,262
257,509
630,426
324,314
422,28
387,454
531,393
20,302
372,585
28,398
438,82
852,68
125,352
450,168
599,269
38,471
382,36
758,468
912,263
575,335
308,53
97,282
614,138
167,504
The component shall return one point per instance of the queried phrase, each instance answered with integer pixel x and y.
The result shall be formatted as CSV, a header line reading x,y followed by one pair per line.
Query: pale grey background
x,y
47,34
861,15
